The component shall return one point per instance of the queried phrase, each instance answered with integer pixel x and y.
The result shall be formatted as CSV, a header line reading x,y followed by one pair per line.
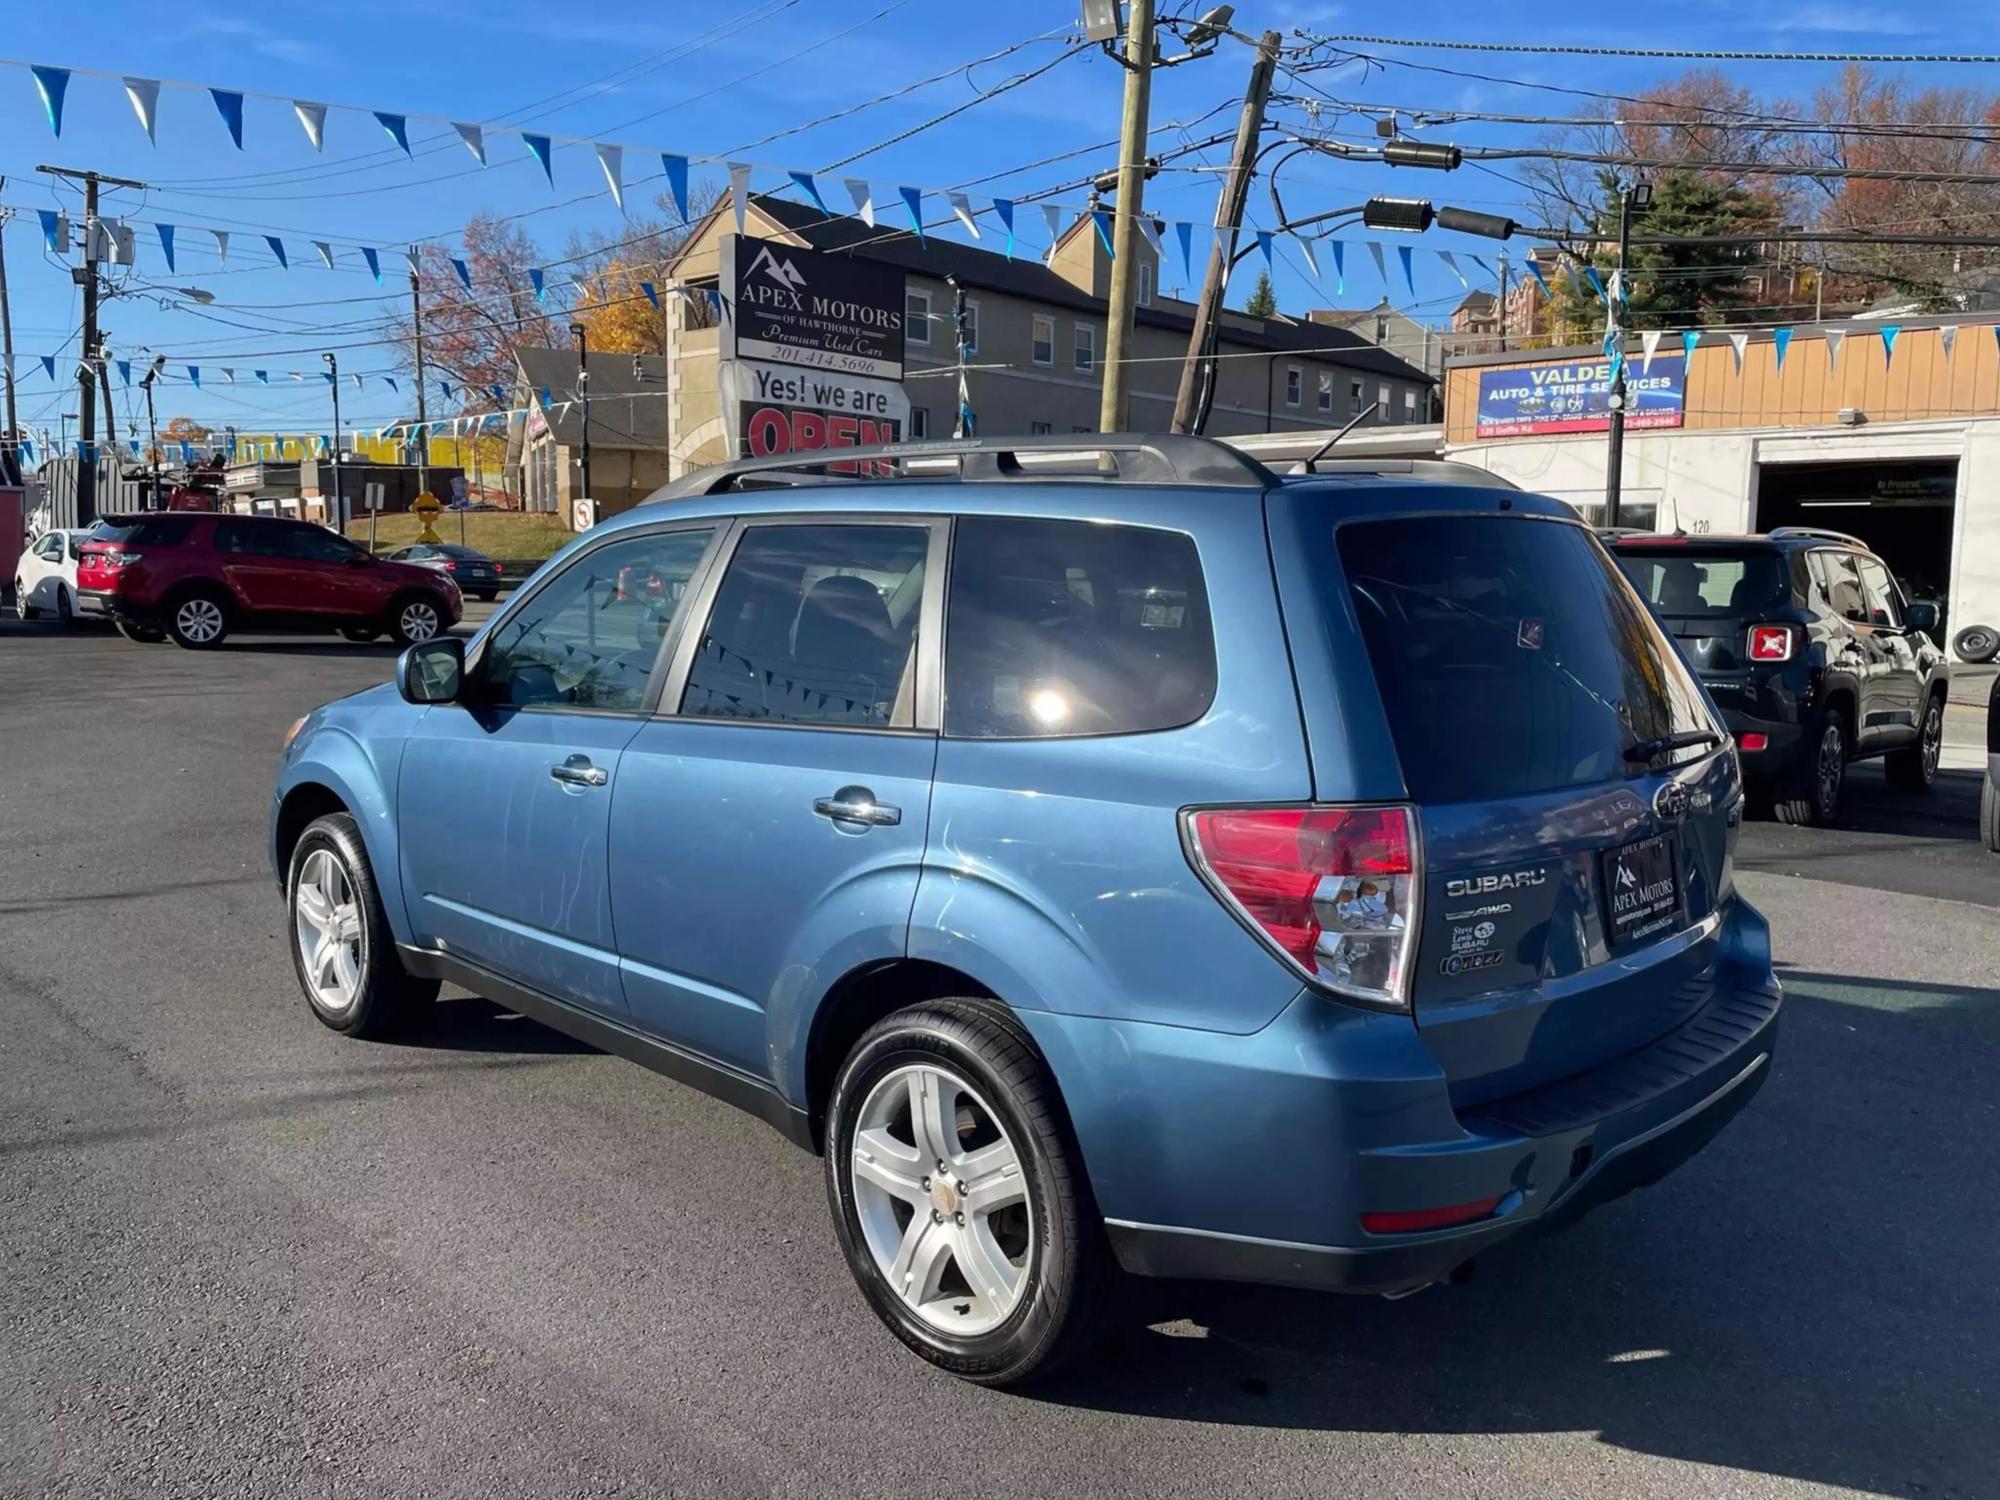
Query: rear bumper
x,y
96,602
1782,739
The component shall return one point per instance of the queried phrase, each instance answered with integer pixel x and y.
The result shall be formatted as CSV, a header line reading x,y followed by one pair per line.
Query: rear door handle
x,y
856,804
578,771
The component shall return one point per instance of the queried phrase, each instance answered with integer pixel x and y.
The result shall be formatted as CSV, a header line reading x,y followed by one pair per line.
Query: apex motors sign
x,y
782,409
1575,396
789,305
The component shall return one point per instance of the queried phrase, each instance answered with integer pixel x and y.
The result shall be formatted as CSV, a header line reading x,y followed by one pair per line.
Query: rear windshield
x,y
1510,656
148,531
1691,584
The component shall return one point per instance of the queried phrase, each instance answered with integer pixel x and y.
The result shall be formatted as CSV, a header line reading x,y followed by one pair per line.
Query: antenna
x,y
1355,421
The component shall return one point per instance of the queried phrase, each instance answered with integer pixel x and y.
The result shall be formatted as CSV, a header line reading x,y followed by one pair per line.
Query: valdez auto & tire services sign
x,y
1574,395
794,306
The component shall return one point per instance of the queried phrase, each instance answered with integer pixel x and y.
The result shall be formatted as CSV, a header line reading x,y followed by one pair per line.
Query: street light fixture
x,y
152,432
339,509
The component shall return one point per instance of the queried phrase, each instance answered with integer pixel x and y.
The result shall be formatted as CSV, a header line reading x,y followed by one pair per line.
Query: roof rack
x,y
1787,533
1430,470
1136,458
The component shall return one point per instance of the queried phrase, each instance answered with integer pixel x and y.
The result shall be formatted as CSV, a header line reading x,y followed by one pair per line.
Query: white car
x,y
45,580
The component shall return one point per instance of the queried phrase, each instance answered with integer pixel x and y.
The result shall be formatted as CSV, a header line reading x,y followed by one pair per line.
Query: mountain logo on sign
x,y
783,272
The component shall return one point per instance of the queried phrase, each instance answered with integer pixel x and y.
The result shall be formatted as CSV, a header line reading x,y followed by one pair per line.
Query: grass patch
x,y
502,534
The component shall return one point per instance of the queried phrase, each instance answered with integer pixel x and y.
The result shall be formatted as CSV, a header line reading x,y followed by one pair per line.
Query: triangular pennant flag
x,y
49,364
1264,245
1003,208
535,276
1614,350
677,181
1738,342
166,233
474,138
1649,345
410,255
1948,340
1451,264
864,199
538,147
1149,230
230,375
961,209
357,382
327,376
1889,332
652,295
913,200
1339,266
278,249
230,106
194,374
1689,338
1409,278
1101,217
1484,266
27,451
810,189
1184,232
374,263
51,229
1381,267
464,272
1596,284
612,159
221,245
1616,286
390,381
548,400
1782,339
1306,249
1052,218
1541,281
312,119
498,394
263,376
325,252
145,96
398,128
124,371
739,190
52,84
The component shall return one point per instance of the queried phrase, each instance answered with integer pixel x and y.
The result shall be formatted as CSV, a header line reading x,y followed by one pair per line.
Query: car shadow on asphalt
x,y
471,1023
1801,1299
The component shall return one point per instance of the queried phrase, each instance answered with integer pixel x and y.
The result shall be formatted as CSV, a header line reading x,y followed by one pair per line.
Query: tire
x,y
487,596
1977,644
1915,767
1808,791
24,609
360,634
1989,813
350,975
1038,1254
408,614
199,620
65,612
144,635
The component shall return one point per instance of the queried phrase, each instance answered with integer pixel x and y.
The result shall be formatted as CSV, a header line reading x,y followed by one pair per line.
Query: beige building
x,y
1036,365
1388,327
628,429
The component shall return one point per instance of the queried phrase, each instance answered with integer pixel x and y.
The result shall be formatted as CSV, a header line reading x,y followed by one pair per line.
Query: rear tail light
x,y
1772,642
109,559
1333,890
450,566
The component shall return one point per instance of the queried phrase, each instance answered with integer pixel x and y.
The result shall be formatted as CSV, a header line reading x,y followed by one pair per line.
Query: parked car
x,y
473,571
45,577
197,577
1989,792
1810,649
1182,872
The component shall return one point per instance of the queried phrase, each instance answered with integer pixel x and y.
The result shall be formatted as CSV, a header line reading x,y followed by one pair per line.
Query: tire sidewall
x,y
403,602
1976,644
1829,808
173,612
338,834
1020,1342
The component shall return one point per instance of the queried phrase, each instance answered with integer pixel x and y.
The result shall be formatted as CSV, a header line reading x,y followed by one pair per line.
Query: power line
x,y
1675,54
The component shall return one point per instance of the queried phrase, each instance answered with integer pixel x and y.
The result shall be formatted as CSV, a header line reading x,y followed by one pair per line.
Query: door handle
x,y
578,771
856,804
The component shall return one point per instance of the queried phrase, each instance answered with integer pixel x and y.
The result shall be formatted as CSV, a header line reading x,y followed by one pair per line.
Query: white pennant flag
x,y
1649,342
325,252
739,190
1150,228
313,118
1052,216
864,199
229,374
1306,249
1451,261
474,138
1738,342
145,96
961,207
221,245
1381,269
612,159
410,255
1835,337
1948,339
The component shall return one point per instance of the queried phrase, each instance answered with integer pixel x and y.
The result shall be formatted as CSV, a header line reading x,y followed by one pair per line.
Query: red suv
x,y
198,577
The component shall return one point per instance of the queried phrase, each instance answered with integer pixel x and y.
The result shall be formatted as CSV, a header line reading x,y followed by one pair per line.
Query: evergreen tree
x,y
1263,301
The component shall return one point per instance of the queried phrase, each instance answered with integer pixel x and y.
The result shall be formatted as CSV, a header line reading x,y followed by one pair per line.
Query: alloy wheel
x,y
199,620
418,621
327,916
1933,739
1832,768
942,1200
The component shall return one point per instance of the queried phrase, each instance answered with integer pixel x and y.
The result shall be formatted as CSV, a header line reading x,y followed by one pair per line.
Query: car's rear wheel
x,y
1808,793
22,607
144,635
360,634
415,618
1915,767
959,1196
342,948
487,596
1989,813
198,620
65,611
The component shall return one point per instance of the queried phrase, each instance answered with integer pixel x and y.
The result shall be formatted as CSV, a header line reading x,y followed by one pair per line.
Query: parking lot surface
x,y
246,1256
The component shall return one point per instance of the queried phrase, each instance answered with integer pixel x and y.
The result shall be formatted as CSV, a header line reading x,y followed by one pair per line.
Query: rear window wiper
x,y
1660,744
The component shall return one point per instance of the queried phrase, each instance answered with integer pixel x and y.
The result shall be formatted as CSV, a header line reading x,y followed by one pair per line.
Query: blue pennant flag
x,y
1889,332
398,129
374,264
1339,265
677,181
51,227
1540,280
652,295
124,372
805,182
547,399
464,274
1480,261
445,386
194,374
539,145
230,106
187,452
167,243
1596,284
327,376
390,381
913,199
49,364
86,451
1264,246
133,444
535,276
499,395
278,249
52,84
27,451
1408,279
1782,337
1102,219
263,376
1689,338
1184,232
1004,207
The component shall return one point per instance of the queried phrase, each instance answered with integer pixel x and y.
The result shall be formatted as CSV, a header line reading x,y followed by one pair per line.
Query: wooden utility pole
x,y
12,435
1614,339
1115,411
1228,223
423,429
1503,301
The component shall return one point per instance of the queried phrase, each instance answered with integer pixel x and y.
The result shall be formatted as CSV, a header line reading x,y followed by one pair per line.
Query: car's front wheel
x,y
1915,767
959,1196
342,948
198,620
415,618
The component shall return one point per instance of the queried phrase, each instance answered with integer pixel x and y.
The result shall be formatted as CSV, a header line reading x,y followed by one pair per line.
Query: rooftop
x,y
627,410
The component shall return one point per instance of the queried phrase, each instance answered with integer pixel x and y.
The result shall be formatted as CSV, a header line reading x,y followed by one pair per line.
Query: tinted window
x,y
1885,607
814,625
1510,655
150,531
249,538
1682,583
1068,627
50,547
590,636
314,544
1844,595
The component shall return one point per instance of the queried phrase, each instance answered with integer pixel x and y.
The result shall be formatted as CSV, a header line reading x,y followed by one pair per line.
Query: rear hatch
x,y
1575,800
113,559
1709,595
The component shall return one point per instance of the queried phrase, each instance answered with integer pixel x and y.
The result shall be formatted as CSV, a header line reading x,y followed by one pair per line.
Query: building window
x,y
1382,331
1086,349
1145,286
917,317
1044,351
1040,429
1388,412
1295,385
1325,391
920,422
1410,404
971,333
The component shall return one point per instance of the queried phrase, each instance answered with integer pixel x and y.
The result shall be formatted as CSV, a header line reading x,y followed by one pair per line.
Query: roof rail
x,y
1430,470
1137,458
1786,533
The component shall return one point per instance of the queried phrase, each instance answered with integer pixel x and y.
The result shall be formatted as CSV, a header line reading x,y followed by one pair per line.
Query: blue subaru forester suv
x,y
1123,860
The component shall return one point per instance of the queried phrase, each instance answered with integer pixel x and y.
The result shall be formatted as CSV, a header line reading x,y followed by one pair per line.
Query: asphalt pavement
x,y
244,1256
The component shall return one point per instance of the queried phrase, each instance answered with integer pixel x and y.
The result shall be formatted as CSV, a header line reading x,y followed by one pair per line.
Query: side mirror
x,y
432,672
1924,616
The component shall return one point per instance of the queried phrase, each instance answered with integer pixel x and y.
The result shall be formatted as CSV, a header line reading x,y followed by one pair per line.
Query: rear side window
x,y
150,531
1070,627
1695,584
1510,655
1842,585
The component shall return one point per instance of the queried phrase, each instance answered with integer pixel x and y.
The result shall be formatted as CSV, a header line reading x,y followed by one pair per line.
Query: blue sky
x,y
735,72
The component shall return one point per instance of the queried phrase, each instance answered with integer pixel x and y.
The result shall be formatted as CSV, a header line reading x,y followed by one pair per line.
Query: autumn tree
x,y
470,335
1262,302
185,430
613,270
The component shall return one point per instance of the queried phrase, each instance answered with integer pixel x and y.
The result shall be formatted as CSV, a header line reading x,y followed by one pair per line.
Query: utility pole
x,y
339,509
104,383
582,337
1614,342
153,432
1503,301
1115,410
423,426
963,425
86,379
1228,222
12,435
